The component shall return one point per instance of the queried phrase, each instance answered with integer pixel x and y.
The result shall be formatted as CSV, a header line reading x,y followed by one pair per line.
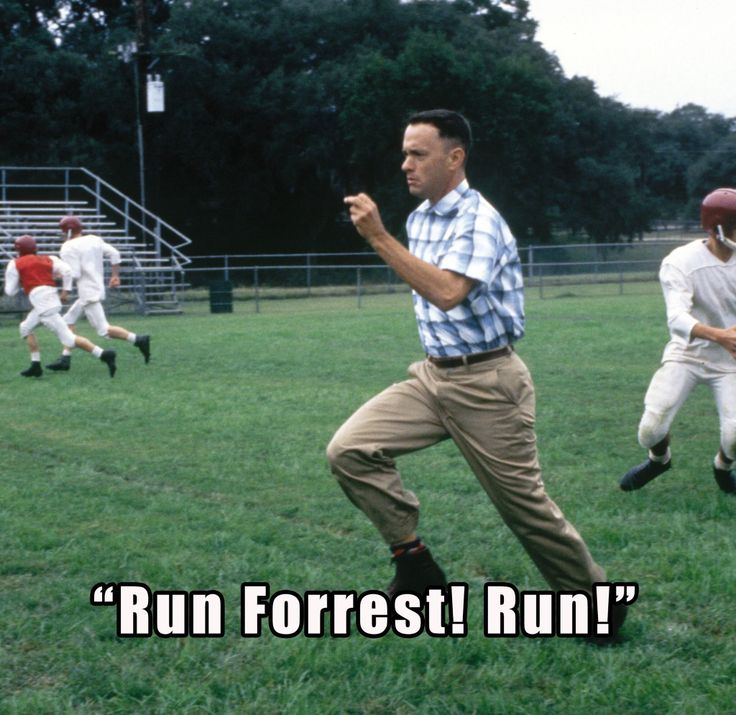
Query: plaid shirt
x,y
463,233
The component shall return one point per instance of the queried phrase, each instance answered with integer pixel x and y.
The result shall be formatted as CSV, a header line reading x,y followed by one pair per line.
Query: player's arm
x,y
725,337
62,270
678,296
113,256
442,288
11,279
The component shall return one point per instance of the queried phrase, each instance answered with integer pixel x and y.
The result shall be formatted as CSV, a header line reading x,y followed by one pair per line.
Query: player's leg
x,y
59,327
724,391
670,387
26,332
362,455
96,316
71,317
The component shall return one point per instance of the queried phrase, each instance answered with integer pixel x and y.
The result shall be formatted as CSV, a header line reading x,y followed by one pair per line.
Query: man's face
x,y
431,164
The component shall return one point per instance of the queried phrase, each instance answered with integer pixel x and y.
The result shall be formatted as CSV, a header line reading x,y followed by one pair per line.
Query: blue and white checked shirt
x,y
463,233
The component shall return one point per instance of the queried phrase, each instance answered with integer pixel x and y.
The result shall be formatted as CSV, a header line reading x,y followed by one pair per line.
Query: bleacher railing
x,y
69,182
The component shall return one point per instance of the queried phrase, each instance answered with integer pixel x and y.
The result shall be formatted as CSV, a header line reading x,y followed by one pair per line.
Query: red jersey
x,y
35,271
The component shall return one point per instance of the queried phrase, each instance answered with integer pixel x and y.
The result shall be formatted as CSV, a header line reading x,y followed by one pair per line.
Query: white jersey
x,y
698,288
85,255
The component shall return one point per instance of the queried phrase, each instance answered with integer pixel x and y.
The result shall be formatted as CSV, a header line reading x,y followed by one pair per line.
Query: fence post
x,y
530,260
358,286
255,288
66,185
227,268
541,284
309,274
5,184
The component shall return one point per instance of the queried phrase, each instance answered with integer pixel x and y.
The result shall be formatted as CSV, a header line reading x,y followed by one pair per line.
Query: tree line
x,y
275,109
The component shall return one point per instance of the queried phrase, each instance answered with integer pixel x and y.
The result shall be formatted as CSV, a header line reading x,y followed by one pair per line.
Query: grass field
x,y
206,469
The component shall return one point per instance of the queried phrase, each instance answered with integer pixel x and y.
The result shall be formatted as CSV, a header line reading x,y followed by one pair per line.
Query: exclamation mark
x,y
458,607
602,609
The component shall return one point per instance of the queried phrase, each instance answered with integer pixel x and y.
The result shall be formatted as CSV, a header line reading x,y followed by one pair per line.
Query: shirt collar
x,y
448,202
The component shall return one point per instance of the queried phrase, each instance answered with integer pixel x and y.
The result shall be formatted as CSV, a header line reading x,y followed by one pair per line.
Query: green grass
x,y
206,469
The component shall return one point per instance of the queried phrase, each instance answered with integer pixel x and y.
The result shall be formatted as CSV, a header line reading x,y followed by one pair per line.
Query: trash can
x,y
221,297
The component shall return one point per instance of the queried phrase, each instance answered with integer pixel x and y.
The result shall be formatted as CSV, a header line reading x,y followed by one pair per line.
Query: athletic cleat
x,y
108,357
416,573
725,480
143,343
33,371
642,474
62,363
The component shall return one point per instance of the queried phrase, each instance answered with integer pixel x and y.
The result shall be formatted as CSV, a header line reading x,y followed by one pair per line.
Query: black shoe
x,y
33,371
108,357
618,616
642,474
726,481
63,363
416,573
143,343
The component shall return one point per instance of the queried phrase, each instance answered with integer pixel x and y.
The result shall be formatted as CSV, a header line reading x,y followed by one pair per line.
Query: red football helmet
x,y
718,215
70,223
25,245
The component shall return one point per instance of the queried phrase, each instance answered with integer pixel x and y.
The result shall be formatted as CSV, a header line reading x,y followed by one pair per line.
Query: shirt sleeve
x,y
63,271
11,279
473,251
112,253
678,297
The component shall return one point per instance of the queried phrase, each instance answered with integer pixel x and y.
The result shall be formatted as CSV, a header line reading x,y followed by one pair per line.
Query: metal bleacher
x,y
34,199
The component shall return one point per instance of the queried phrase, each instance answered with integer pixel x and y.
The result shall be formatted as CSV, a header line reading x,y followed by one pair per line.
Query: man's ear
x,y
457,157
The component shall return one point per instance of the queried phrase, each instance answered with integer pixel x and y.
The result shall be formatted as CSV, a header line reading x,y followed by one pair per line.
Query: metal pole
x,y
309,274
141,59
358,287
227,269
255,288
139,132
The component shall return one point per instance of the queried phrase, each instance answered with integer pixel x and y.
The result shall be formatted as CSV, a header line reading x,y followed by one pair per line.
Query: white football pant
x,y
670,387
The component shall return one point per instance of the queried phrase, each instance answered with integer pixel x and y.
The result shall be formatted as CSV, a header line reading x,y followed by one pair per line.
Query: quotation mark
x,y
103,594
626,592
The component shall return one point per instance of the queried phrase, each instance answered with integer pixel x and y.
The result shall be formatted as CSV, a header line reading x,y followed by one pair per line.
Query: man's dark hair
x,y
449,124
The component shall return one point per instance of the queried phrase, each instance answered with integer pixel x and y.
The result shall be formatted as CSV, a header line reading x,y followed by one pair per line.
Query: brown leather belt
x,y
469,359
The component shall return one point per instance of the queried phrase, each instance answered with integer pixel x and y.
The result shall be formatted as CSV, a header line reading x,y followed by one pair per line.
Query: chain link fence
x,y
224,283
549,271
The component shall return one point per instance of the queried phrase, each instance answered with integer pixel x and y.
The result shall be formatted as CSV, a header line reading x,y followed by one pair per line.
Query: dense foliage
x,y
276,108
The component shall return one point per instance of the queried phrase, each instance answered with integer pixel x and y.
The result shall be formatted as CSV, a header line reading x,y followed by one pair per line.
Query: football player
x,y
37,275
699,284
85,255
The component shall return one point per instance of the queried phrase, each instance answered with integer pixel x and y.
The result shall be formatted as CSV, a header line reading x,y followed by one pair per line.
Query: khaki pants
x,y
488,410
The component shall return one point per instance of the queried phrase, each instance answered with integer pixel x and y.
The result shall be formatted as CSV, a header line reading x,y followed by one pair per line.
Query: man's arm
x,y
442,288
